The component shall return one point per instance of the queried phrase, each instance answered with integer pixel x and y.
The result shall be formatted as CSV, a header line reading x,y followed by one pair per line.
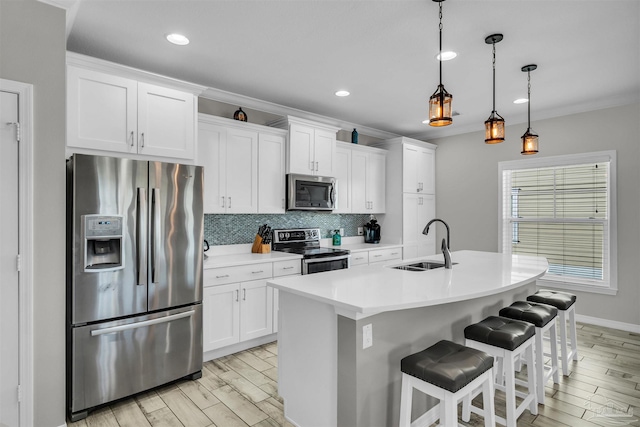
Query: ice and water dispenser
x,y
103,243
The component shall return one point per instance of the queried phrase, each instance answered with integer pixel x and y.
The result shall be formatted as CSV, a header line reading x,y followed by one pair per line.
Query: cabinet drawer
x,y
287,268
384,255
359,258
243,273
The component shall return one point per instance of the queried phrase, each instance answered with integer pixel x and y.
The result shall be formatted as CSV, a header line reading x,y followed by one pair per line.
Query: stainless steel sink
x,y
420,266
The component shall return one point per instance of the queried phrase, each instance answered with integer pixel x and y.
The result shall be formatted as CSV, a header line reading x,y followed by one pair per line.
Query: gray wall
x,y
32,50
467,191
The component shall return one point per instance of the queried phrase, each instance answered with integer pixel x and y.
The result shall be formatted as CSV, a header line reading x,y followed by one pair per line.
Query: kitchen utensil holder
x,y
257,243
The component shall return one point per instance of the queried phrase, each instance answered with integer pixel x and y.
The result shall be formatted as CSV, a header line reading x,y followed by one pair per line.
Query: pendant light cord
x,y
494,76
440,27
529,100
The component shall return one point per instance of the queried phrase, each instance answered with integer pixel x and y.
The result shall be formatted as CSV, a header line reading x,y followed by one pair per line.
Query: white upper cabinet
x,y
343,178
367,180
271,173
243,166
418,169
417,210
311,149
112,108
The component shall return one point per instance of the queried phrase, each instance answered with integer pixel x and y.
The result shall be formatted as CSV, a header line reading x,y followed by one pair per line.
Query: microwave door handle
x,y
332,195
141,237
155,225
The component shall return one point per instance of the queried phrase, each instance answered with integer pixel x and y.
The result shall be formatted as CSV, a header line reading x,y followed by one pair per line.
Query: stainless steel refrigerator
x,y
134,277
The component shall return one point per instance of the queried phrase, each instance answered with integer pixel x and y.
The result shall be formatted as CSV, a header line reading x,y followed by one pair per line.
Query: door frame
x,y
25,239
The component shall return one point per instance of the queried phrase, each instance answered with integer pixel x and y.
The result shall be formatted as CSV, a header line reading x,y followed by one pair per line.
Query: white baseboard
x,y
628,327
241,346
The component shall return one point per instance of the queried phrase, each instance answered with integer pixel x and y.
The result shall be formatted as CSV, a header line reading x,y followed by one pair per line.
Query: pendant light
x,y
494,125
530,138
440,101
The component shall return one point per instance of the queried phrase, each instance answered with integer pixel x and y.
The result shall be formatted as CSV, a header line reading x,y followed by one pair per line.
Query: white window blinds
x,y
560,212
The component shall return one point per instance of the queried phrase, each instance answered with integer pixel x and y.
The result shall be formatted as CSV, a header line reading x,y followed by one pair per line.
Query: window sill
x,y
575,287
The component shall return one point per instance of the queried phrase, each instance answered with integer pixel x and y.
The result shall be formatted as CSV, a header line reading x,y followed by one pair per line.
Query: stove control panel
x,y
296,235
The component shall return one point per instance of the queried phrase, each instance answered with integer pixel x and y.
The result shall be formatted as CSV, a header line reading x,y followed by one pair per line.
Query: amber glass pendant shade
x,y
494,129
440,107
529,142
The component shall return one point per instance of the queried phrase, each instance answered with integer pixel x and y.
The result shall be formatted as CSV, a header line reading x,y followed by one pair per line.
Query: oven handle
x,y
323,259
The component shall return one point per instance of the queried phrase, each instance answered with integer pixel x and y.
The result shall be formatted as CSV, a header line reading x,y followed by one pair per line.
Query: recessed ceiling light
x,y
447,55
342,93
178,39
521,101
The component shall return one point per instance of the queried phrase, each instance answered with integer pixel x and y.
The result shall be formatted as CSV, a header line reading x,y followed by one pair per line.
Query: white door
x,y
220,316
242,171
271,173
9,280
359,182
376,182
324,152
301,158
212,141
343,177
165,122
256,312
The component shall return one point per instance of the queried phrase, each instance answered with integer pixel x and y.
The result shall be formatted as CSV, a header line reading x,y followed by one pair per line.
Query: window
x,y
563,208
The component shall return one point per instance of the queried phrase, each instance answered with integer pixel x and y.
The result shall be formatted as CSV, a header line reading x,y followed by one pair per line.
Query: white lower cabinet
x,y
256,309
283,268
375,256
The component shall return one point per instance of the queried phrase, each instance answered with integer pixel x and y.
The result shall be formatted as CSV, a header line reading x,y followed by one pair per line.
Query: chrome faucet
x,y
445,244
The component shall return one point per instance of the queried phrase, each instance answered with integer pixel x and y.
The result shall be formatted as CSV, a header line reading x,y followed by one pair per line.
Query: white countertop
x,y
362,247
247,258
361,292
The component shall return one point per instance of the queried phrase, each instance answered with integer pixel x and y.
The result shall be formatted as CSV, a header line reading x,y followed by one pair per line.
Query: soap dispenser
x,y
337,239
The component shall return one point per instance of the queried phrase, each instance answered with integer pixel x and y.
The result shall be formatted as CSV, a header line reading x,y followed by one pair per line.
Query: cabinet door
x,y
166,119
212,142
410,161
241,171
324,152
426,212
271,173
301,156
426,171
359,200
102,111
376,182
221,316
256,312
343,177
417,211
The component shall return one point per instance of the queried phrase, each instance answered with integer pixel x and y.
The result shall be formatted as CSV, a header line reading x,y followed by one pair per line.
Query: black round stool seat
x,y
447,365
560,300
531,312
500,332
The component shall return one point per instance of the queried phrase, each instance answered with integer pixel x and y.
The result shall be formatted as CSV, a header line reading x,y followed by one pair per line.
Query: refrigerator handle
x,y
142,324
141,237
155,218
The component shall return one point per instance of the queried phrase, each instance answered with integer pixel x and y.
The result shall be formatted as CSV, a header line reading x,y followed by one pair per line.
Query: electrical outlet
x,y
367,336
360,231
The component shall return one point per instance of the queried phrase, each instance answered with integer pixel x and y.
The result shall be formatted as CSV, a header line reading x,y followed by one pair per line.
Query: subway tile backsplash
x,y
225,229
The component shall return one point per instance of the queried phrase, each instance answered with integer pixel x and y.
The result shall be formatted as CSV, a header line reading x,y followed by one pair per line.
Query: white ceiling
x,y
297,53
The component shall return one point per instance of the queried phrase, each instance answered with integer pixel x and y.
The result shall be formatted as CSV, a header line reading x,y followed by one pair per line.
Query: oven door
x,y
318,265
312,193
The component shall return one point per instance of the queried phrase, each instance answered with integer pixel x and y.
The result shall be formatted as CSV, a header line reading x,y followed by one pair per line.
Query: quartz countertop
x,y
237,259
362,247
358,293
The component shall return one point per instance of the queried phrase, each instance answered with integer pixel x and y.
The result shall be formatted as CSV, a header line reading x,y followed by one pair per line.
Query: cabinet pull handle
x,y
229,202
222,201
237,295
256,272
359,258
222,277
394,253
142,139
311,167
132,138
287,268
282,203
377,256
317,167
244,294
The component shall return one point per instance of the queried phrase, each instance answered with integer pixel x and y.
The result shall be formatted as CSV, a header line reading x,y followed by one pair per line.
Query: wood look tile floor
x,y
603,389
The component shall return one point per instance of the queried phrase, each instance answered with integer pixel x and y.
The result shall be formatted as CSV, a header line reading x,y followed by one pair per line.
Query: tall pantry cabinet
x,y
410,195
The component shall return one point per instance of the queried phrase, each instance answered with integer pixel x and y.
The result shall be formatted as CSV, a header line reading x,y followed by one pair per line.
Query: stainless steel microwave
x,y
310,193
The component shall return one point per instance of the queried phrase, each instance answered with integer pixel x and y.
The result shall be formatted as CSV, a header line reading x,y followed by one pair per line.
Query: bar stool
x,y
566,304
543,317
507,340
446,371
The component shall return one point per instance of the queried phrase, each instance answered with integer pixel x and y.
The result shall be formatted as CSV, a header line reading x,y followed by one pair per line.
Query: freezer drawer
x,y
120,358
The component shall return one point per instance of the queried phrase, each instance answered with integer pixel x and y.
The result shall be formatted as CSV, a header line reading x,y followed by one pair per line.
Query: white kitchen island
x,y
325,375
